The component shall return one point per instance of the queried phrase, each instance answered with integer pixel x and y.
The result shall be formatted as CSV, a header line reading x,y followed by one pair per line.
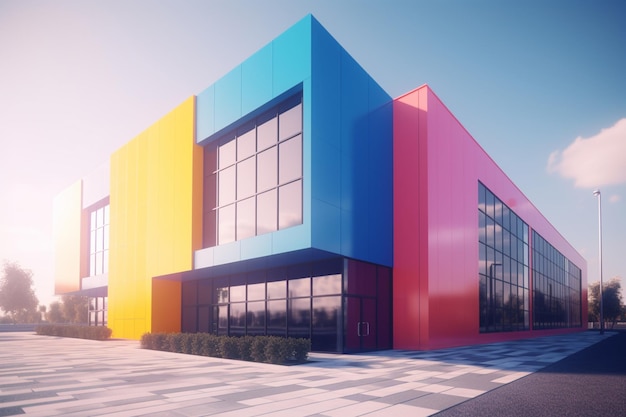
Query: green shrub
x,y
75,331
257,350
269,349
186,341
173,342
245,347
276,350
229,348
210,345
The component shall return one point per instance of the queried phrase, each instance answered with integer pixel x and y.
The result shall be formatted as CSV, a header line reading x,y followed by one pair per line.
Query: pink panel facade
x,y
437,167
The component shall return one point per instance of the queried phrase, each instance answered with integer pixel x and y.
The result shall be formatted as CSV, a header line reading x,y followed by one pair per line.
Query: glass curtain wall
x,y
305,300
502,266
556,287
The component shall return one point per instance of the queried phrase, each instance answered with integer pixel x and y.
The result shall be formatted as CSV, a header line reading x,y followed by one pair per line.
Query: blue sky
x,y
540,85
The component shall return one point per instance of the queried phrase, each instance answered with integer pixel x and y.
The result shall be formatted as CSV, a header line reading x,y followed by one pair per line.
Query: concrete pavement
x,y
46,376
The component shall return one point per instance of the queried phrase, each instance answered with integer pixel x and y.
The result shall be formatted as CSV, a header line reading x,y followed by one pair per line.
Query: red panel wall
x,y
437,166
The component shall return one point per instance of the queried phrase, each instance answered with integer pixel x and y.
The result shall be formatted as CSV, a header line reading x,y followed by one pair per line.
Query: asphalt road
x,y
591,382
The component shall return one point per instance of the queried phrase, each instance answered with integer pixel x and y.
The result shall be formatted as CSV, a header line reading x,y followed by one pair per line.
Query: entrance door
x,y
360,324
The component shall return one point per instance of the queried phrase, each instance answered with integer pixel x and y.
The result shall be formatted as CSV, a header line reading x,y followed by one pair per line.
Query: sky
x,y
540,85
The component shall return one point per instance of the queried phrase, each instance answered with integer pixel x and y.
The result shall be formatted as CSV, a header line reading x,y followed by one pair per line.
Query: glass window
x,y
221,292
237,319
246,178
300,287
246,212
290,160
267,133
276,290
299,317
237,293
226,218
290,205
226,152
246,144
267,172
267,212
327,285
290,122
227,186
277,317
256,318
252,162
256,291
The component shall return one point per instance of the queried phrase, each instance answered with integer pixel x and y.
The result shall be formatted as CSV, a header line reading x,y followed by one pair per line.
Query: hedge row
x,y
76,331
268,349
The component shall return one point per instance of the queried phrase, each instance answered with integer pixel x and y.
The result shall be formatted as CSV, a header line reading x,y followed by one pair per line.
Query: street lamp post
x,y
599,195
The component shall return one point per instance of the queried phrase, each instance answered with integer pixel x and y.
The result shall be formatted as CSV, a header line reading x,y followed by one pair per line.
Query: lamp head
x,y
596,192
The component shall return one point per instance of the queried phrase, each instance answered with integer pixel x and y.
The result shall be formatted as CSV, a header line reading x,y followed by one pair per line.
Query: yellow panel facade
x,y
67,237
154,223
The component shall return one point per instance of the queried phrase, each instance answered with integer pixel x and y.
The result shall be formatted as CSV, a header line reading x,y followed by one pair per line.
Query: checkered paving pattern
x,y
47,376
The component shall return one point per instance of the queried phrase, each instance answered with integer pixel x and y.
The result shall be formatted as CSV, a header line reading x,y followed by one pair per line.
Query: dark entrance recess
x,y
342,305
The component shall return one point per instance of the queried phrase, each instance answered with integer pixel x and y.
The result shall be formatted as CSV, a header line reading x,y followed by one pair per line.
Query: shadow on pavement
x,y
591,382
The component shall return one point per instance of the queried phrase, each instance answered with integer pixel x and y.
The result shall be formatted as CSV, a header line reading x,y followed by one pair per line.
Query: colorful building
x,y
295,197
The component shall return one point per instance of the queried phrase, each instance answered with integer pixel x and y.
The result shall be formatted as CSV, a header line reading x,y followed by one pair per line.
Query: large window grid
x,y
305,300
253,177
502,266
556,287
99,241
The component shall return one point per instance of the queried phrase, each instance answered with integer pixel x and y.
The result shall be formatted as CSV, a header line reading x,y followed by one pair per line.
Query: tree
x,y
55,313
71,309
75,308
17,297
611,298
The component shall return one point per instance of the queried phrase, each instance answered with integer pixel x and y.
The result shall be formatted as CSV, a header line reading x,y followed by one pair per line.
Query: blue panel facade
x,y
256,80
347,145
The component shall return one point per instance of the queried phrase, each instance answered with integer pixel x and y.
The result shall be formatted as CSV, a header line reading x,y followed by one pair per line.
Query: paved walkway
x,y
46,376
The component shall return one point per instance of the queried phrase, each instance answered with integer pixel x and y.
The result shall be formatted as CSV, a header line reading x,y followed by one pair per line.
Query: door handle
x,y
360,325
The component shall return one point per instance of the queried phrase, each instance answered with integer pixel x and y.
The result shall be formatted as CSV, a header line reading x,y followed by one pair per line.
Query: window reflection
x,y
327,285
246,180
557,287
246,226
299,317
226,217
267,212
290,122
290,205
226,152
267,133
290,157
256,291
276,289
267,172
277,317
300,287
256,318
246,144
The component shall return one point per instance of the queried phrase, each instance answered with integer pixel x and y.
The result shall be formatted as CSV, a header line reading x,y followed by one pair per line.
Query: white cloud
x,y
596,161
614,198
